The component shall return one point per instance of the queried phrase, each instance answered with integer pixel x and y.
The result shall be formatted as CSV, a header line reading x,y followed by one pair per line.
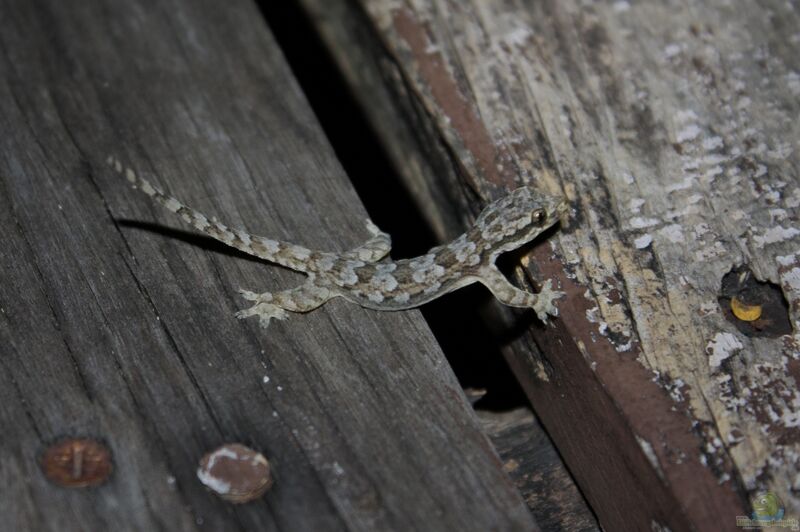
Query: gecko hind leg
x,y
269,306
374,249
508,294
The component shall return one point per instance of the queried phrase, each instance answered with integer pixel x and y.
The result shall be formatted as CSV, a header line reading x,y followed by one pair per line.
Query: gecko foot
x,y
265,310
269,306
265,313
252,296
544,301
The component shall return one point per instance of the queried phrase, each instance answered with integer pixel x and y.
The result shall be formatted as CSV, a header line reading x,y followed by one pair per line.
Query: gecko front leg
x,y
508,294
269,306
374,249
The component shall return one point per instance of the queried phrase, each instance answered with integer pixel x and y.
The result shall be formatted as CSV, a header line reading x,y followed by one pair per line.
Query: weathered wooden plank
x,y
671,129
116,326
532,461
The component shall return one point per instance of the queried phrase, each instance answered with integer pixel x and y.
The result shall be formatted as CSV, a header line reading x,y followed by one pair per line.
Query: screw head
x,y
77,463
236,473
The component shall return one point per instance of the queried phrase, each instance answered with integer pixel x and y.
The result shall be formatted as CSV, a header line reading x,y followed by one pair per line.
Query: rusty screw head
x,y
77,463
236,473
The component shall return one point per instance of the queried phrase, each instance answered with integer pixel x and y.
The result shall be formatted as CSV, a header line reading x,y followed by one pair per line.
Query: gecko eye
x,y
538,216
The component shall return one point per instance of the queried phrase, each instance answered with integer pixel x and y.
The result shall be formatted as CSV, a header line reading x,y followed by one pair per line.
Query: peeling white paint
x,y
518,36
647,449
685,115
714,158
624,348
709,307
643,241
695,198
774,235
683,184
671,50
793,200
690,132
712,143
673,233
635,205
675,390
791,279
738,215
712,172
778,215
701,229
432,48
621,6
716,249
214,483
721,347
786,260
641,223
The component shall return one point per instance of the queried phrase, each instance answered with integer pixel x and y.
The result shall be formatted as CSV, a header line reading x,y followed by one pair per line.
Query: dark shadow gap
x,y
470,344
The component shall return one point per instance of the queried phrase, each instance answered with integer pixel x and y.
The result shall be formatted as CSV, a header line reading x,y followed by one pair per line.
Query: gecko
x,y
362,276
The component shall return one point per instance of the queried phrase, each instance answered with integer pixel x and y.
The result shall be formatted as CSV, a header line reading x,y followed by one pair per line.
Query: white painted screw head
x,y
236,473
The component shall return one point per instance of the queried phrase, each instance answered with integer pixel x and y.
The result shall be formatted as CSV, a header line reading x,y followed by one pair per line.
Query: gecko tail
x,y
154,192
282,253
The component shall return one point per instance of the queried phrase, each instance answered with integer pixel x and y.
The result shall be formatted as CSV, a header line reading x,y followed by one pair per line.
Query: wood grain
x,y
117,323
671,129
533,462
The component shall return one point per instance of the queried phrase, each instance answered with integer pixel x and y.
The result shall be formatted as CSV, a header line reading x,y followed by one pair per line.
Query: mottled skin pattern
x,y
360,276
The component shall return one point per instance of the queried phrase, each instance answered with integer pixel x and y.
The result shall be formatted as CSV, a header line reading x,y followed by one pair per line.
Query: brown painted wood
x,y
116,322
671,130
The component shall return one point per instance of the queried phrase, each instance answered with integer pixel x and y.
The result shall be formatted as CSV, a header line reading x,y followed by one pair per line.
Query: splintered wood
x,y
673,131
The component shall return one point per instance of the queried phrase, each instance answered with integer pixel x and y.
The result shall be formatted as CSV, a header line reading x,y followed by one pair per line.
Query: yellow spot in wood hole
x,y
745,312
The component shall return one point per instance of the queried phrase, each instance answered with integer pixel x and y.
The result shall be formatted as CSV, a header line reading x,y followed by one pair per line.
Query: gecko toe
x,y
248,295
274,313
265,313
545,301
252,296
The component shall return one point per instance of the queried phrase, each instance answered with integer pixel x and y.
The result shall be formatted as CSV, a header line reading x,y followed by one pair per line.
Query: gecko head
x,y
518,218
